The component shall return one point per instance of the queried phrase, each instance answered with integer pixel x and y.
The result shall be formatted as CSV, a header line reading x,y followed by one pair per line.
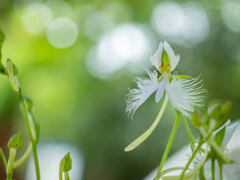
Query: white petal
x,y
185,94
228,133
156,59
137,97
173,59
160,91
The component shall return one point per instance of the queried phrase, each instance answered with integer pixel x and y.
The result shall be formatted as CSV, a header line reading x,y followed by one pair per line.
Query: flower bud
x,y
12,72
198,118
219,111
15,141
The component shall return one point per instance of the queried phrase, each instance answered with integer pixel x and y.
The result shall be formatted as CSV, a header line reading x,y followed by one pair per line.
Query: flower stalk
x,y
171,138
147,133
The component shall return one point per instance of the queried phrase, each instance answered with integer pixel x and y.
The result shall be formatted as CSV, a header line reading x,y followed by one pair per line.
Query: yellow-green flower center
x,y
165,63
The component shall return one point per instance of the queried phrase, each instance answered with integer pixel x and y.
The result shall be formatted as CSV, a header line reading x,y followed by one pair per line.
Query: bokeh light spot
x,y
181,23
231,14
126,43
62,33
36,17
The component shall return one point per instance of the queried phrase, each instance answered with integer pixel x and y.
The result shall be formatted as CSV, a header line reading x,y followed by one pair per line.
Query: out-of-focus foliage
x,y
76,60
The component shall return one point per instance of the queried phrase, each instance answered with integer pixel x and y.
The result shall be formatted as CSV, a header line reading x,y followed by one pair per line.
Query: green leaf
x,y
220,135
182,76
34,124
15,141
29,103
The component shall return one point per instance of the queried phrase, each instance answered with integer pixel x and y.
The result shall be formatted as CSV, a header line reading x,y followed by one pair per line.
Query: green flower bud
x,y
68,162
65,166
15,141
12,72
199,117
219,111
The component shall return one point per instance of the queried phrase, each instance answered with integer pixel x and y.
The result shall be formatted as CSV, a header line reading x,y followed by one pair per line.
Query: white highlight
x,y
62,33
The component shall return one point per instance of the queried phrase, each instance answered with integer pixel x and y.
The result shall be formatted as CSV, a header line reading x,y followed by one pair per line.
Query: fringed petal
x,y
146,87
185,94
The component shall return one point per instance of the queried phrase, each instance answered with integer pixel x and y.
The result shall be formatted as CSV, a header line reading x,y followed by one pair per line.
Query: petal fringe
x,y
185,94
146,87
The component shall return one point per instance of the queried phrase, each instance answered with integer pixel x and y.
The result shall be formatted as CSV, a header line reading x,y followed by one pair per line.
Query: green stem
x,y
214,145
221,170
66,175
174,130
145,135
213,167
9,170
35,156
23,158
191,159
188,130
9,176
3,158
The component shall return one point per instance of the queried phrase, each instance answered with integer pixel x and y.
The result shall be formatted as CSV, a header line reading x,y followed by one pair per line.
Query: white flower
x,y
184,94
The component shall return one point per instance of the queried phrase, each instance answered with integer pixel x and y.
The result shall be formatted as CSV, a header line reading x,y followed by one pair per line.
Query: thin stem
x,y
24,157
174,130
188,130
145,135
35,156
3,158
220,170
9,170
213,167
9,176
191,159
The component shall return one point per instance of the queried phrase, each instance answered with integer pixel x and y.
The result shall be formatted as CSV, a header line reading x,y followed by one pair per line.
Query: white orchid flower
x,y
228,132
184,94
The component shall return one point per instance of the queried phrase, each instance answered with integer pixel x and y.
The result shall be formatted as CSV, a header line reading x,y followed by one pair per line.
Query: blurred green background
x,y
77,60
